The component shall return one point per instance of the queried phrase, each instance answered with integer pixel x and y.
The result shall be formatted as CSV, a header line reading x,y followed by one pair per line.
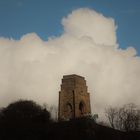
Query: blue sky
x,y
18,17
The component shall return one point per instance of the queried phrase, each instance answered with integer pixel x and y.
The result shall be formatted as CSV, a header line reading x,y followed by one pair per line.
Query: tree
x,y
24,119
25,111
1,114
126,118
111,115
129,117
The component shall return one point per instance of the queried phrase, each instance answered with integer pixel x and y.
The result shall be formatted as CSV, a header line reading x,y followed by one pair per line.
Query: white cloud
x,y
31,68
85,22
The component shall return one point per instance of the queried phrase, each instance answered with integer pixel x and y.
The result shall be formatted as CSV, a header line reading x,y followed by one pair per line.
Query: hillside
x,y
87,129
26,120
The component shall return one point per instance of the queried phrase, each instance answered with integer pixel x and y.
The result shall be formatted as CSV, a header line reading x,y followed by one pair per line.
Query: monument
x,y
74,99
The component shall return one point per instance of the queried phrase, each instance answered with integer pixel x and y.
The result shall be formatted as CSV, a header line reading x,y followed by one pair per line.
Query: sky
x,y
43,17
42,40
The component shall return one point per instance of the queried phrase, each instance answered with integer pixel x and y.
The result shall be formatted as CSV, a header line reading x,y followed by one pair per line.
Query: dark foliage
x,y
25,111
25,120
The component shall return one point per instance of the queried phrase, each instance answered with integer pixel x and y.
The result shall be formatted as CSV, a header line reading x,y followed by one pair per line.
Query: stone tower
x,y
74,100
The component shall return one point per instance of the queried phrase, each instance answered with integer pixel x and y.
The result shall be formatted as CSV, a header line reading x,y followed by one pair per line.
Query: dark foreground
x,y
26,120
79,129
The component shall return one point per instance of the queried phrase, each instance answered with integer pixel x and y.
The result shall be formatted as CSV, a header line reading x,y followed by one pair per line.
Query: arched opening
x,y
69,110
69,107
82,107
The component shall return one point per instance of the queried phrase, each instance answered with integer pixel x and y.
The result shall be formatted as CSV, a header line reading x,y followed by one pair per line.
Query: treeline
x,y
125,118
26,120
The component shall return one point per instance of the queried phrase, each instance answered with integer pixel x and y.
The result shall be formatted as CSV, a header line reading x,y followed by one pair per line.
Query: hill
x,y
87,129
26,120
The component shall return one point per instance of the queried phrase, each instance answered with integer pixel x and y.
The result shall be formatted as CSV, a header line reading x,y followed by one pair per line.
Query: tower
x,y
74,100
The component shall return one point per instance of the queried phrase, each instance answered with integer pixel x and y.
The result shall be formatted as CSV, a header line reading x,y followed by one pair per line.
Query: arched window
x,y
69,107
82,107
69,110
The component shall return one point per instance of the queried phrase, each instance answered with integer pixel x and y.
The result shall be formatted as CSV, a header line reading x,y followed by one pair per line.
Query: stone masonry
x,y
74,100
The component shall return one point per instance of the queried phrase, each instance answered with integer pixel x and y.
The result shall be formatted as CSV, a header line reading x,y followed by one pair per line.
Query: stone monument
x,y
74,99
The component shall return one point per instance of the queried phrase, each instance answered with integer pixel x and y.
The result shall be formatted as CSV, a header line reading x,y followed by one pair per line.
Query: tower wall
x,y
74,100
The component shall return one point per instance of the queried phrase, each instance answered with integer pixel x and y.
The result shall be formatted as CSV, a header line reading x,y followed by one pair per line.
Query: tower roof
x,y
72,76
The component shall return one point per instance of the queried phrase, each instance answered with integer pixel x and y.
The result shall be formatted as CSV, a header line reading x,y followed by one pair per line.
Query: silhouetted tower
x,y
74,100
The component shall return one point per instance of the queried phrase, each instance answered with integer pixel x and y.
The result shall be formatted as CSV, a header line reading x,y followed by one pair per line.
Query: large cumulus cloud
x,y
31,68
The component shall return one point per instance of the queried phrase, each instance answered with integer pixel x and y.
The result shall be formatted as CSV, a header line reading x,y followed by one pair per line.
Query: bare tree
x,y
126,118
111,115
130,117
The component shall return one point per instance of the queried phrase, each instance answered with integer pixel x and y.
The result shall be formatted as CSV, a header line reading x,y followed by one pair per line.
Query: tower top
x,y
73,81
72,76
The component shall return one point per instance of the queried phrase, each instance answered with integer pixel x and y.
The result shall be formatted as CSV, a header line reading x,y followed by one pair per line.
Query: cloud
x,y
31,68
85,22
